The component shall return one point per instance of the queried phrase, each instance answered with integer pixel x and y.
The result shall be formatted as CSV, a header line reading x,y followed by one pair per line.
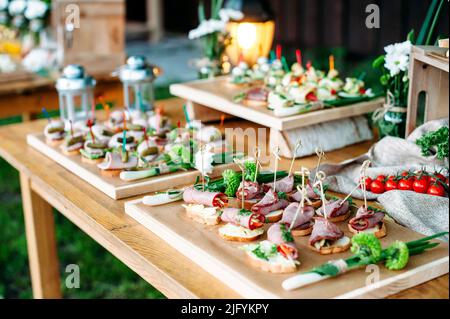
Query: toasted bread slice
x,y
202,214
379,231
340,218
255,103
275,263
54,143
237,203
237,233
70,153
91,161
302,232
274,216
111,172
340,245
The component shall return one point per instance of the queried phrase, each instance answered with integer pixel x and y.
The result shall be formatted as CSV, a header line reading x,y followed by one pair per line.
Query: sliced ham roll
x,y
280,235
193,196
113,161
285,185
334,208
257,94
269,203
242,218
324,229
312,195
365,219
304,218
54,130
251,190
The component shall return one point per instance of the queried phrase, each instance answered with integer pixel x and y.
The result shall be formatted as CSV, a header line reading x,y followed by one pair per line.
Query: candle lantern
x,y
253,35
137,77
76,93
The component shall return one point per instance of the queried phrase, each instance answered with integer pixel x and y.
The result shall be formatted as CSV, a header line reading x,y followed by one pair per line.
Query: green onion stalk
x,y
367,250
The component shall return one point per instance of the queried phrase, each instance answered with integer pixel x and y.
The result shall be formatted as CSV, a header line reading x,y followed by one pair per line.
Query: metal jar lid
x,y
138,70
74,79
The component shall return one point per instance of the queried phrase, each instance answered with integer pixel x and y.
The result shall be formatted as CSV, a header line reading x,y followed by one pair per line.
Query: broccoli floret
x,y
367,247
397,256
232,181
250,170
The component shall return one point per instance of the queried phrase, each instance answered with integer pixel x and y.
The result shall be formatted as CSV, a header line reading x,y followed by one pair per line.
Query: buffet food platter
x,y
113,186
203,245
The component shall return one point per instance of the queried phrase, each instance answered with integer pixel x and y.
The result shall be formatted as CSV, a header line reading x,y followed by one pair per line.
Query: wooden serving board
x,y
114,187
217,94
227,263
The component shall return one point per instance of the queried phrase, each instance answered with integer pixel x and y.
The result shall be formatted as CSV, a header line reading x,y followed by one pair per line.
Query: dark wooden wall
x,y
320,23
341,23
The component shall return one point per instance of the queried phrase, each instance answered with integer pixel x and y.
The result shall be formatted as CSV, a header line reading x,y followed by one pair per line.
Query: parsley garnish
x,y
286,233
436,139
282,195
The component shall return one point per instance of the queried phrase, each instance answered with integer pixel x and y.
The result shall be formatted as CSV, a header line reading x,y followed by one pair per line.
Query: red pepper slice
x,y
256,221
311,97
286,251
362,91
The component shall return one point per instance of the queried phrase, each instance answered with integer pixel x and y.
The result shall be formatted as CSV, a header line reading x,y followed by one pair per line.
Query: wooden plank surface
x,y
114,187
141,250
218,94
227,263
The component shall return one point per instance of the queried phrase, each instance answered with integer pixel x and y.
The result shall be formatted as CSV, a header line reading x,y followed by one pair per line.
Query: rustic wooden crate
x,y
428,73
99,43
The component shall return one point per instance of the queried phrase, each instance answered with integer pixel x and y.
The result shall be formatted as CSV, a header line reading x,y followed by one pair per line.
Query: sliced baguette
x,y
340,245
70,153
237,233
274,216
338,219
54,143
203,215
379,231
255,103
237,203
302,232
111,172
275,263
91,161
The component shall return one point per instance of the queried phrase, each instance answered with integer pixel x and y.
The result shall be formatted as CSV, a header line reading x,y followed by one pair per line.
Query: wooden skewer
x,y
257,154
364,167
297,146
321,154
320,176
276,152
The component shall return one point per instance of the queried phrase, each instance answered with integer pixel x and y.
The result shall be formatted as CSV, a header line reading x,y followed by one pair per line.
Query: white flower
x,y
35,9
397,57
38,60
230,14
7,64
207,27
203,161
3,5
17,7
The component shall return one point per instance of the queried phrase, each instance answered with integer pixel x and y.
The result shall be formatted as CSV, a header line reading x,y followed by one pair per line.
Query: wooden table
x,y
28,97
45,185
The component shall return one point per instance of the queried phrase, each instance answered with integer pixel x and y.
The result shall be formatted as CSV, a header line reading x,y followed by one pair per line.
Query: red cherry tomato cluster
x,y
420,182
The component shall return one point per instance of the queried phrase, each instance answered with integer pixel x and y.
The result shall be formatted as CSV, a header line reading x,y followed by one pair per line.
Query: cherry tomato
x,y
408,175
391,185
405,185
436,190
368,182
391,178
437,176
377,187
420,185
381,178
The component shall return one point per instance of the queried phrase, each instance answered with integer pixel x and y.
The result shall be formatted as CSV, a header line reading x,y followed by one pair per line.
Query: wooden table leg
x,y
40,232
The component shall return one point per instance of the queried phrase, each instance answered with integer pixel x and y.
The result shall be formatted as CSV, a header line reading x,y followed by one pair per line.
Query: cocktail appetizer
x,y
117,141
277,254
368,220
73,143
242,225
93,152
116,162
326,238
300,220
204,207
54,132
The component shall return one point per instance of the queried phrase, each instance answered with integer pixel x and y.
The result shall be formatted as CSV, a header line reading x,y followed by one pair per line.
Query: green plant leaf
x,y
411,36
378,62
426,24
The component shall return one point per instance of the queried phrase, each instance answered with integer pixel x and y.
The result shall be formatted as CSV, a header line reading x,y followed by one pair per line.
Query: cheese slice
x,y
230,230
